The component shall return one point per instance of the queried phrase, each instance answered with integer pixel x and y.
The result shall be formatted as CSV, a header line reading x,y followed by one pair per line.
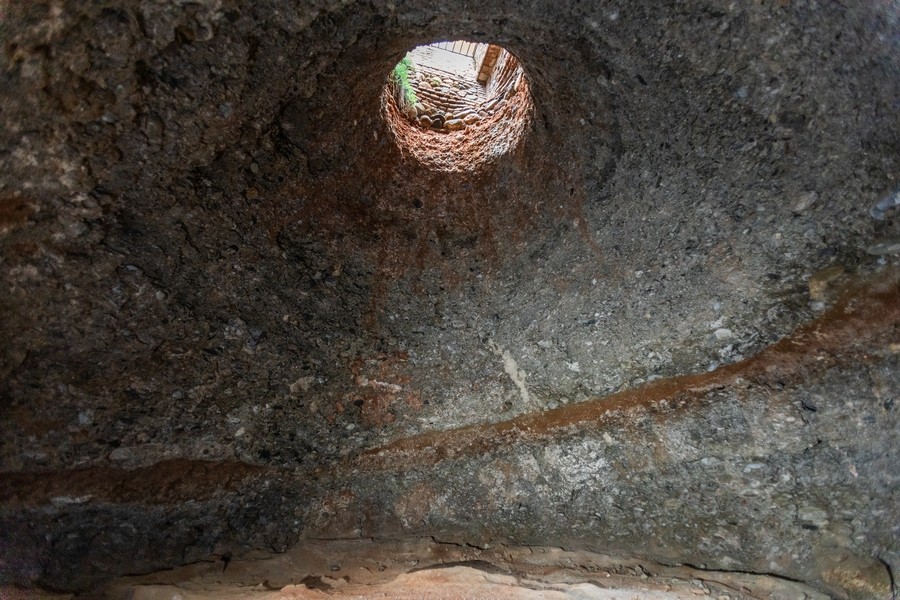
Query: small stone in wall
x,y
455,124
437,121
884,247
425,121
723,333
804,201
826,283
471,118
302,384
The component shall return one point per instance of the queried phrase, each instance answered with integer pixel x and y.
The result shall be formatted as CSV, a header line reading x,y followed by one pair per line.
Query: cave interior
x,y
289,313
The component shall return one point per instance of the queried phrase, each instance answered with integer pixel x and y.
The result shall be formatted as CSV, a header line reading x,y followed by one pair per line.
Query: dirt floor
x,y
429,570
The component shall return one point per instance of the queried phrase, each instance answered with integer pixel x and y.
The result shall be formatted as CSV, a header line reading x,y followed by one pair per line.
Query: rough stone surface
x,y
380,569
214,257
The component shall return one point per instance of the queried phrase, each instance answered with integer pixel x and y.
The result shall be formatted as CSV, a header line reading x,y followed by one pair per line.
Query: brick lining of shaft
x,y
458,123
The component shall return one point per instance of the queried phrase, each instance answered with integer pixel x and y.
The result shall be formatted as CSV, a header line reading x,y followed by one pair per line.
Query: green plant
x,y
401,78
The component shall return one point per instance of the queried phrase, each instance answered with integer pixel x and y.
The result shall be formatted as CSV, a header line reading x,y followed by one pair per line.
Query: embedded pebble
x,y
804,202
884,248
723,333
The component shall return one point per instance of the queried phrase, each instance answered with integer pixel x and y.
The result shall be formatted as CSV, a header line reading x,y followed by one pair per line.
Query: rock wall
x,y
505,75
207,268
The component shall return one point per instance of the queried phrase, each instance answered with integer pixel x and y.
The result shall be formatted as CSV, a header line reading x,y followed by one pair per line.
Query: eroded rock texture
x,y
236,313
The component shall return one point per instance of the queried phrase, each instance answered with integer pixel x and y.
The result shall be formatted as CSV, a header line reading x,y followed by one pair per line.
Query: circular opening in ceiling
x,y
457,106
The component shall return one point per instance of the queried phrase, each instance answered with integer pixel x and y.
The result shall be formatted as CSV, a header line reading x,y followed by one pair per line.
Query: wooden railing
x,y
458,47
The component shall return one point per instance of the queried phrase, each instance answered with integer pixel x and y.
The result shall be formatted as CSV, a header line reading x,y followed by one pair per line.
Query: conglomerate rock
x,y
226,290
